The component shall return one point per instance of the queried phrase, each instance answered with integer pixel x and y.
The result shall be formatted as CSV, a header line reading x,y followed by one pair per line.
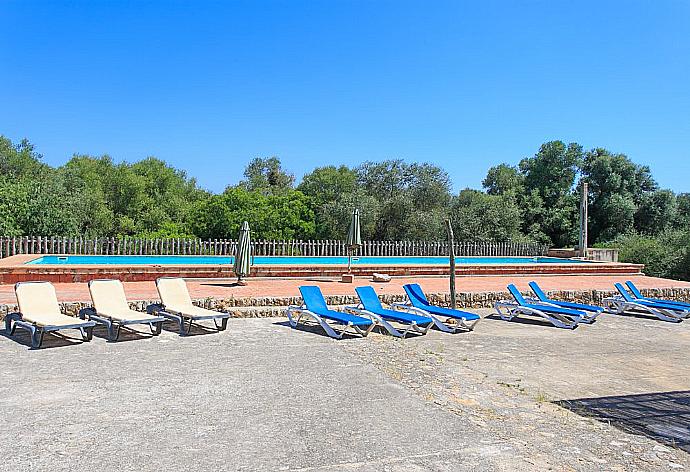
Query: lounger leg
x,y
86,333
223,323
114,331
441,325
183,331
156,328
36,337
388,327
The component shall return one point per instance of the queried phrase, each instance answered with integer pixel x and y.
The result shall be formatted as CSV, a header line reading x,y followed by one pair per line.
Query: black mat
x,y
663,416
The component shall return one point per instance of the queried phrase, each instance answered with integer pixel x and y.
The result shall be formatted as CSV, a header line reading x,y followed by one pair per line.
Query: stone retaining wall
x,y
259,307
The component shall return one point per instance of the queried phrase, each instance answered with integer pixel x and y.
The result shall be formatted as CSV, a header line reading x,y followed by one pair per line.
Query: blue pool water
x,y
291,261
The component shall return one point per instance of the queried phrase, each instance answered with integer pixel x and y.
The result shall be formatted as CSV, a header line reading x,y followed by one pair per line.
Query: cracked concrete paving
x,y
262,396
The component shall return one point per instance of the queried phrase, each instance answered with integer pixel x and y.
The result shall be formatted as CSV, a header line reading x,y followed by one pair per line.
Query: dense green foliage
x,y
537,200
664,255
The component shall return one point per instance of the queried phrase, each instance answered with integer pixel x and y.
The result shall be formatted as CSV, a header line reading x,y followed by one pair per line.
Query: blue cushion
x,y
343,318
553,309
314,301
450,313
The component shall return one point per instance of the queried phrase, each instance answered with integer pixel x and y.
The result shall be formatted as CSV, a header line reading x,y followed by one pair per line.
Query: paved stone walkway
x,y
276,287
262,396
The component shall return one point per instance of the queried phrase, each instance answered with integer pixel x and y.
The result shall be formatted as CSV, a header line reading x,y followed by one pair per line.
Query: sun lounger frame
x,y
301,311
183,320
620,305
383,322
412,326
113,326
589,314
509,309
15,320
451,324
638,296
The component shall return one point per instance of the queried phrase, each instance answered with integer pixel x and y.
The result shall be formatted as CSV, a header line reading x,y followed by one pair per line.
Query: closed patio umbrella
x,y
354,238
243,257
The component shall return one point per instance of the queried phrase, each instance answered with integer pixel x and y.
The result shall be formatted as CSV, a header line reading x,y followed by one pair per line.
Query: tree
x,y
328,184
266,176
477,216
413,198
504,179
552,170
656,212
550,176
683,210
284,216
616,187
333,218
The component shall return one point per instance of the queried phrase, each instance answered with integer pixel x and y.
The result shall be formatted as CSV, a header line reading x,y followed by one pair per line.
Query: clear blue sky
x,y
207,86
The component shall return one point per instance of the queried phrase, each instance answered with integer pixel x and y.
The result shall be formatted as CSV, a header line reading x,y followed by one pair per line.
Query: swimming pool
x,y
291,261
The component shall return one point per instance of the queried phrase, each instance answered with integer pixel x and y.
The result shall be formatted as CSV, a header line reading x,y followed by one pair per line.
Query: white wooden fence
x,y
10,246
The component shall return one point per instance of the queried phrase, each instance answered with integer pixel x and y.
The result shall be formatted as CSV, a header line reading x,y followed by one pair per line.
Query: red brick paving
x,y
261,287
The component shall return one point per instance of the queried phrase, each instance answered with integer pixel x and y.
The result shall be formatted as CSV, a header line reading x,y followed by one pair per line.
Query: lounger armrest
x,y
87,312
358,310
154,308
409,309
536,301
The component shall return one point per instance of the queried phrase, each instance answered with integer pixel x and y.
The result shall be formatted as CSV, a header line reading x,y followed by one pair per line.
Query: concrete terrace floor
x,y
262,396
277,287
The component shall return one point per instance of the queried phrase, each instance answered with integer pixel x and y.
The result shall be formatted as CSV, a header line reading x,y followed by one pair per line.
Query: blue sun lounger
x,y
370,306
637,294
591,311
455,320
315,308
624,302
557,316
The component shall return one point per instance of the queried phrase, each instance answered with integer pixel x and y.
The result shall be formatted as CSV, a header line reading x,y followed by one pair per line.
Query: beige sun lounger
x,y
39,313
110,308
177,306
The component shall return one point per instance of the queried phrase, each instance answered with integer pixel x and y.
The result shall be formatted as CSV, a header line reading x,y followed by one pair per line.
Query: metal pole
x,y
451,257
583,220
